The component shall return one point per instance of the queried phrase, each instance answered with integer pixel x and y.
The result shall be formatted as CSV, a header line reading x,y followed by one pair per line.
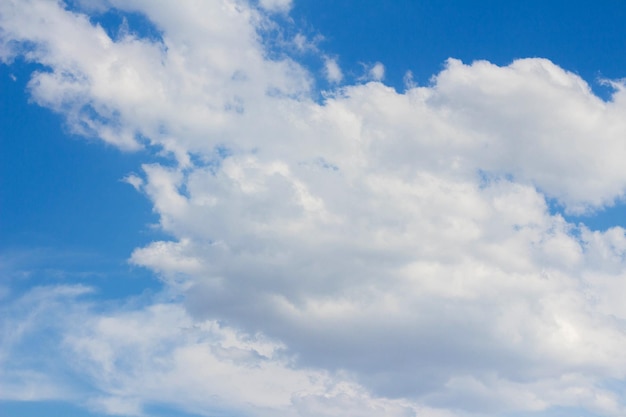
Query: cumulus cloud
x,y
376,253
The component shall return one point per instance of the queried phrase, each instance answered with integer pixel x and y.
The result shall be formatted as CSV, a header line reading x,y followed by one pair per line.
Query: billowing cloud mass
x,y
376,252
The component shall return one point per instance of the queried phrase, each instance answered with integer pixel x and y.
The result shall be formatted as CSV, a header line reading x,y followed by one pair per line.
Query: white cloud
x,y
376,245
26,373
133,180
119,362
377,72
333,72
276,5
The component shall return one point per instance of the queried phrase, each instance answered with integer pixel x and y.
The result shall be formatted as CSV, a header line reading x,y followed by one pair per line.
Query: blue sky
x,y
312,208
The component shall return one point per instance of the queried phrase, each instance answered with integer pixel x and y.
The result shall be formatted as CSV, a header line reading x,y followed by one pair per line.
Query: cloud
x,y
24,344
276,5
333,72
120,361
374,253
133,180
102,86
377,72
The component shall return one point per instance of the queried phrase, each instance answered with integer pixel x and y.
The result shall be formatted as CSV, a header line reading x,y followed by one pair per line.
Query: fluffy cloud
x,y
377,244
332,70
276,5
377,72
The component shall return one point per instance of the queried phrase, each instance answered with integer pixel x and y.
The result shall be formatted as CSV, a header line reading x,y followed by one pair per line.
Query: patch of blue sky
x,y
212,161
64,409
61,196
298,40
166,411
419,36
601,220
118,23
45,408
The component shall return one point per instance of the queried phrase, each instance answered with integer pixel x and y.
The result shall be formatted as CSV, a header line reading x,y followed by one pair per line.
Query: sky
x,y
298,208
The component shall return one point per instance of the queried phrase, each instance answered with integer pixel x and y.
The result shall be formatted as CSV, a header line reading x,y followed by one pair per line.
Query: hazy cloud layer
x,y
373,253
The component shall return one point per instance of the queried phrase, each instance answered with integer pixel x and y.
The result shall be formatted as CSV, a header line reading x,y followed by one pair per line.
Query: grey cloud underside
x,y
400,241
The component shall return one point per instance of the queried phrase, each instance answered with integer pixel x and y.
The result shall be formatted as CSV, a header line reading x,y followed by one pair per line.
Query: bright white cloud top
x,y
372,253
